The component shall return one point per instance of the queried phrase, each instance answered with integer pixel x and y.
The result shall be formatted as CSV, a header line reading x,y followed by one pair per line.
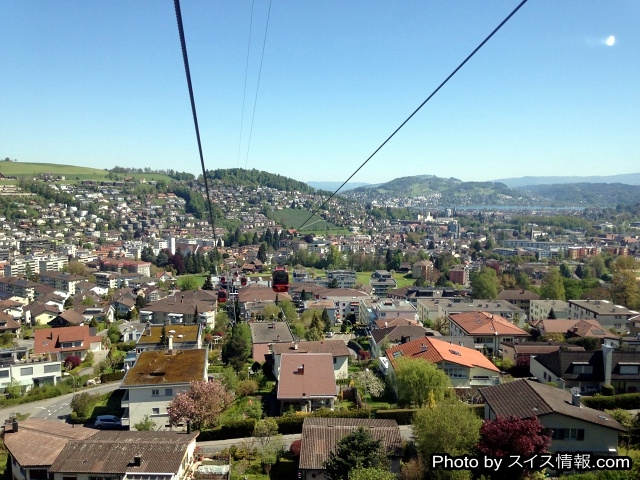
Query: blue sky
x,y
102,84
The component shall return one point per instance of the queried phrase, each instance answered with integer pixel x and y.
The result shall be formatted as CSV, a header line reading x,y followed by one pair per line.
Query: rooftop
x,y
159,367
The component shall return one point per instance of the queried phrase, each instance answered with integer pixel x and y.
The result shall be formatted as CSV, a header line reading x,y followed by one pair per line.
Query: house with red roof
x,y
465,367
63,342
488,330
307,382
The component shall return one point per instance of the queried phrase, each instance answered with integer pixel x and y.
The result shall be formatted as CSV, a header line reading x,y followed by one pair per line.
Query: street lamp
x,y
67,374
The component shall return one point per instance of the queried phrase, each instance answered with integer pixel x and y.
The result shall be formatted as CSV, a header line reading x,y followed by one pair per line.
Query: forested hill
x,y
450,191
256,178
592,194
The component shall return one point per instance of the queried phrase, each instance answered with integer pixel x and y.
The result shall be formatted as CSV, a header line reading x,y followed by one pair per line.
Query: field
x,y
400,278
70,172
293,218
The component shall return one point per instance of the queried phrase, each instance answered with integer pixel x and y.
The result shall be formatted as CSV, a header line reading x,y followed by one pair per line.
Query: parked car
x,y
329,334
107,421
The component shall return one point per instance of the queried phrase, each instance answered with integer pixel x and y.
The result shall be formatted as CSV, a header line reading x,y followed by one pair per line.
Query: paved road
x,y
217,445
56,408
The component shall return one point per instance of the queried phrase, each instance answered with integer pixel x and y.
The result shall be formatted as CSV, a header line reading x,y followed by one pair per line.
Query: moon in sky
x,y
610,41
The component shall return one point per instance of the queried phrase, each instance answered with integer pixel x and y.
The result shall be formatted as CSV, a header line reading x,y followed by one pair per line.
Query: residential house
x,y
606,313
337,348
184,307
63,342
382,338
8,324
589,371
382,281
18,287
34,444
307,382
265,335
64,282
341,278
320,437
433,308
50,449
324,304
422,269
519,297
156,337
488,330
577,328
157,376
465,367
68,318
541,309
575,427
29,372
39,313
347,301
387,309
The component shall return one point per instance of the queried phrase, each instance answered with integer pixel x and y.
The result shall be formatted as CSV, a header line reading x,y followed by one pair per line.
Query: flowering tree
x,y
202,404
72,362
370,382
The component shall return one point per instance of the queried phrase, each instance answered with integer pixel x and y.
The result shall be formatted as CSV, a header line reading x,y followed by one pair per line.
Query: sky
x,y
310,89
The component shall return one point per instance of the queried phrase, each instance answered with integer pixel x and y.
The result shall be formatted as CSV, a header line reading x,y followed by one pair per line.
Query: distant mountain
x,y
627,179
585,194
429,189
332,186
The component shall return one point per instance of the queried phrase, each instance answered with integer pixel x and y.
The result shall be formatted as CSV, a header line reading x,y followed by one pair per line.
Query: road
x,y
217,445
56,408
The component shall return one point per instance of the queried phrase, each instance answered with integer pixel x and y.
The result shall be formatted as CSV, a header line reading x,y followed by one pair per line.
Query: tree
x,y
357,450
71,362
450,427
208,283
625,289
264,430
188,283
202,404
370,382
145,424
504,437
262,252
552,315
485,283
237,348
552,285
417,379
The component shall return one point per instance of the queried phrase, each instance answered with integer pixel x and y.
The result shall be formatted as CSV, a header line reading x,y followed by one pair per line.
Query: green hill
x,y
71,172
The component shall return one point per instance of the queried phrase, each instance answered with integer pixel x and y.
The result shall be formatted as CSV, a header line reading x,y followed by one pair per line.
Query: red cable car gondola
x,y
280,280
243,281
222,296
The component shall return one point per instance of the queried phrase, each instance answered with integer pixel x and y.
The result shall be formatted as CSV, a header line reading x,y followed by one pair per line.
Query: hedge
x,y
232,429
401,415
626,401
111,377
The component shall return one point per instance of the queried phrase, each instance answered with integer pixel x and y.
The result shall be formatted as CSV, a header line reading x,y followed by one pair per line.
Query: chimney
x,y
182,299
575,398
14,425
423,347
295,346
301,369
170,343
137,461
607,358
188,426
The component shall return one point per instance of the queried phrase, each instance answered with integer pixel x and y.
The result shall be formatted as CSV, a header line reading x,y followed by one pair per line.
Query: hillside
x,y
257,178
585,194
429,189
628,179
71,173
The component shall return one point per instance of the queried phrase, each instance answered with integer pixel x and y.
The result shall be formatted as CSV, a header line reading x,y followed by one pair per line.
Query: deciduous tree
x,y
552,285
202,404
417,379
485,283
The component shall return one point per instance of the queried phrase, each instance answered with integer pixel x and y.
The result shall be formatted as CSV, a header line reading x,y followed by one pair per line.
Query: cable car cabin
x,y
243,281
222,296
223,282
280,280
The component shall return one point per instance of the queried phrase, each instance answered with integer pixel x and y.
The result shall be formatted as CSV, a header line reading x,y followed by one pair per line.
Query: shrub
x,y
295,448
72,362
247,387
288,424
627,401
608,390
111,377
401,415
82,404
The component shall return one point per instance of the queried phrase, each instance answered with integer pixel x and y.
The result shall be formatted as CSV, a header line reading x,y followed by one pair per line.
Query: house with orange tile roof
x,y
488,330
466,367
307,382
63,342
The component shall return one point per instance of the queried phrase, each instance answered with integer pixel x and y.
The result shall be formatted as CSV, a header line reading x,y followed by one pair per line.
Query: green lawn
x,y
294,218
400,278
198,278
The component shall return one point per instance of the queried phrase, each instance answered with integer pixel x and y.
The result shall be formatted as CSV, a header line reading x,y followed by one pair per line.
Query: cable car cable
x,y
475,50
185,59
244,92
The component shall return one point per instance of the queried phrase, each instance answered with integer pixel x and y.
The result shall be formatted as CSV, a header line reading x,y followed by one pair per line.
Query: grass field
x,y
70,172
400,278
293,218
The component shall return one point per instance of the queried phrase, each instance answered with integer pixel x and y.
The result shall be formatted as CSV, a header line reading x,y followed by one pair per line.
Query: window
x,y
26,371
574,434
335,360
582,368
168,392
155,411
155,392
52,368
628,369
4,373
455,372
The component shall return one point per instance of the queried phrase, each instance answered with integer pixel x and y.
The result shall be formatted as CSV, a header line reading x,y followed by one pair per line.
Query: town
x,y
358,337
